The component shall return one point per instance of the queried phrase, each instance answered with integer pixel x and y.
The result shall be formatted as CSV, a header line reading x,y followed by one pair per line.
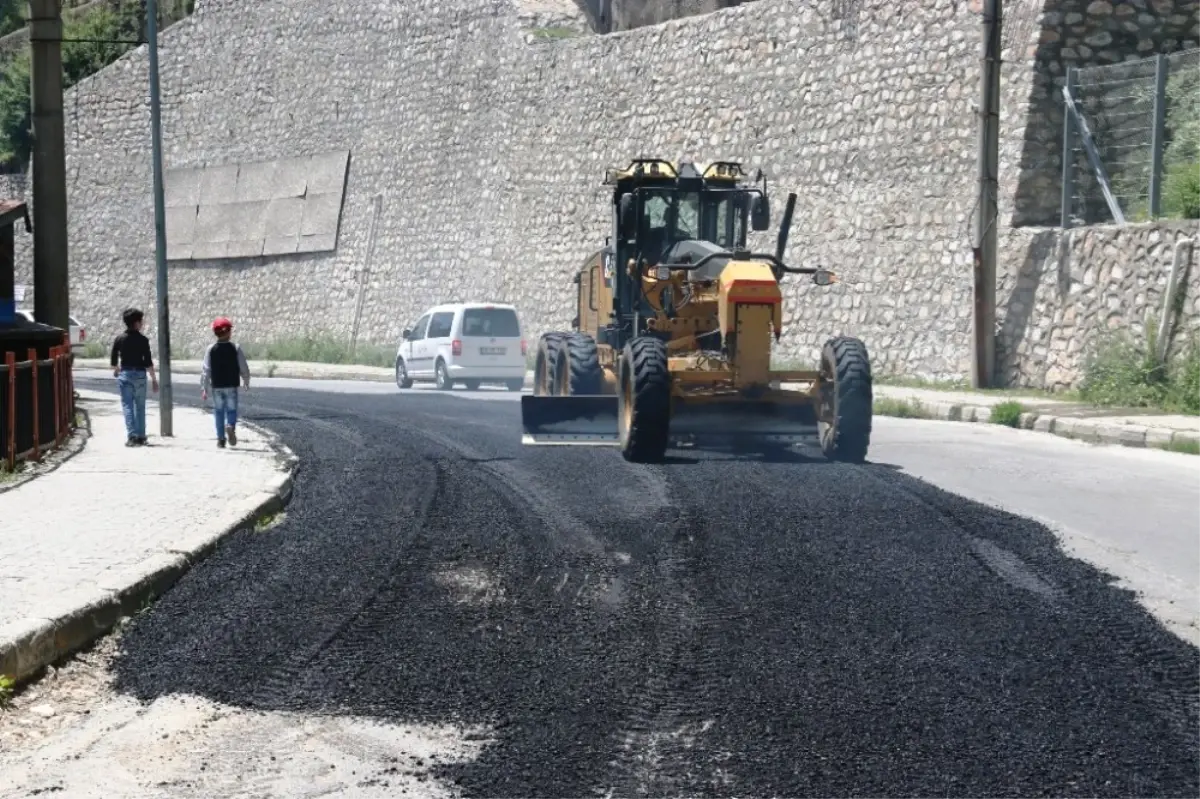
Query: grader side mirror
x,y
760,213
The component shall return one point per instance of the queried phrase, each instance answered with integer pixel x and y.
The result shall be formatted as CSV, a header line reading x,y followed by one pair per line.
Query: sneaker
x,y
220,443
141,440
131,441
232,433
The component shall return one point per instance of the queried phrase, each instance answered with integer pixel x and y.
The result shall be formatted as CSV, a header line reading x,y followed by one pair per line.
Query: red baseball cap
x,y
221,323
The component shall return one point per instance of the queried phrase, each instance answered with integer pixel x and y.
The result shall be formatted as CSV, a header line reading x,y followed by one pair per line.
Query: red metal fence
x,y
37,404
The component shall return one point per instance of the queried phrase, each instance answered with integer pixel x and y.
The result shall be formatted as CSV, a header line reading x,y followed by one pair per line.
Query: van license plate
x,y
491,350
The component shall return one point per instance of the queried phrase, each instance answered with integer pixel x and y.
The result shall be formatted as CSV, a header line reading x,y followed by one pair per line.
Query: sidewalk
x,y
112,527
1123,427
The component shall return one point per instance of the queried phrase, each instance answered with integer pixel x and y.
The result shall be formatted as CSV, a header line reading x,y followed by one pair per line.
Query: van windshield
x,y
491,323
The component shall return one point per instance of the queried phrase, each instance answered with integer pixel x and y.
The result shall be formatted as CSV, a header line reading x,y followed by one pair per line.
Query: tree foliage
x,y
91,41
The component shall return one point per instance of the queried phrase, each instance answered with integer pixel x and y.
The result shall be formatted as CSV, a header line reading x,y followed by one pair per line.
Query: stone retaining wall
x,y
488,146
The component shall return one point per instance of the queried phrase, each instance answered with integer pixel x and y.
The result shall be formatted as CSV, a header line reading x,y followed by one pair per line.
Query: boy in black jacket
x,y
131,364
224,363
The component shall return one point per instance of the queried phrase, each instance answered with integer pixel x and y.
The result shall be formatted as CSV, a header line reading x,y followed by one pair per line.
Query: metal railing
x,y
1131,140
37,404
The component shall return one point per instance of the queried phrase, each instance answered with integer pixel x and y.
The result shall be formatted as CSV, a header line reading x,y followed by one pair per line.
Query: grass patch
x,y
268,521
1124,372
319,348
1187,447
94,349
965,385
7,686
902,408
1007,413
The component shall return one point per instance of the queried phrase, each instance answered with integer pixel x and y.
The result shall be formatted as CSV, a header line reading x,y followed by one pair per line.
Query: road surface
x,y
443,610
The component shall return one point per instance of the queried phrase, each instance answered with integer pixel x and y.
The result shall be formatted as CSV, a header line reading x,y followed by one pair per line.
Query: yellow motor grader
x,y
671,341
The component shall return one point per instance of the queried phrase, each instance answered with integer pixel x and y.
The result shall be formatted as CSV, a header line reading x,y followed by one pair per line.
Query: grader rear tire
x,y
644,400
545,365
847,400
578,369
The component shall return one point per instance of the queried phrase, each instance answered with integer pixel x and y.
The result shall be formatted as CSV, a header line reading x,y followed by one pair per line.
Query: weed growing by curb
x,y
1007,413
319,348
1121,371
7,686
1186,447
902,408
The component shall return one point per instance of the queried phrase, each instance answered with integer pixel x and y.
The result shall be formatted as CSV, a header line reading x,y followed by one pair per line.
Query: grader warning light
x,y
674,320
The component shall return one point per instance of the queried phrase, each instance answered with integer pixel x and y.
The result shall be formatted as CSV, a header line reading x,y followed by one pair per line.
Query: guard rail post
x,y
37,429
10,361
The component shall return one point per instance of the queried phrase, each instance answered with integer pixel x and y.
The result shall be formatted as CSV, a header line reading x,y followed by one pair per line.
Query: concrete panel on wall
x,y
247,210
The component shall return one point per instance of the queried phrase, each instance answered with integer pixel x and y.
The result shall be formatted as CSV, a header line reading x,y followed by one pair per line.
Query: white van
x,y
469,343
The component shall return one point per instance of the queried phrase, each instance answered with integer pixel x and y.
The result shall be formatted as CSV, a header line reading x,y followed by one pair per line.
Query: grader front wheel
x,y
545,365
846,400
644,400
578,369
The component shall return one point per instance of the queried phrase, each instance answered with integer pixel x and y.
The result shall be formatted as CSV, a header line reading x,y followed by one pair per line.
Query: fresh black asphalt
x,y
714,626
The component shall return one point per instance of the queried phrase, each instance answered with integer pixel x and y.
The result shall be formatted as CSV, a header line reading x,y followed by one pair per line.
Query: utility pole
x,y
988,216
165,399
52,297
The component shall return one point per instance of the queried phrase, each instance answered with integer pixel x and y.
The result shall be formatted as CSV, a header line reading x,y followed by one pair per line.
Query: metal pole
x,y
987,218
51,299
165,404
1068,154
1158,137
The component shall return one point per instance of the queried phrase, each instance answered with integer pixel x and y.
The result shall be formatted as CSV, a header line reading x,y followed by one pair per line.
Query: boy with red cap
x,y
224,363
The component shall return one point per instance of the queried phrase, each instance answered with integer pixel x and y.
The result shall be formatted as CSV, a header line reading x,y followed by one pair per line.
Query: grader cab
x,y
675,317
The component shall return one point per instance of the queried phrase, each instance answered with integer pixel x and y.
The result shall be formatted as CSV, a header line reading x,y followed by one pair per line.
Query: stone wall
x,y
487,147
1064,292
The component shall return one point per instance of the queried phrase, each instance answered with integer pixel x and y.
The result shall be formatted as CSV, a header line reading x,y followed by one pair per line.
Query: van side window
x,y
440,325
418,331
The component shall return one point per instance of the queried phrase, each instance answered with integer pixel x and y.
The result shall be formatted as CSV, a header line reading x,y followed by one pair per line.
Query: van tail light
x,y
83,335
456,347
523,348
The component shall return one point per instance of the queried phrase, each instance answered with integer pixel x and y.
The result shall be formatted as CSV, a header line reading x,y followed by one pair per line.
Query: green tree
x,y
101,36
12,16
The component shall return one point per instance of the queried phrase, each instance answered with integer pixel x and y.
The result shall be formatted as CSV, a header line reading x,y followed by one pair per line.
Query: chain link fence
x,y
1132,141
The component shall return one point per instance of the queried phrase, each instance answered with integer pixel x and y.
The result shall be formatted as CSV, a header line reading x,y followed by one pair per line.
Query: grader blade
x,y
587,420
742,423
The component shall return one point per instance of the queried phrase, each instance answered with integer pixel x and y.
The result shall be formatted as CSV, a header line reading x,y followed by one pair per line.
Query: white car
x,y
469,343
78,332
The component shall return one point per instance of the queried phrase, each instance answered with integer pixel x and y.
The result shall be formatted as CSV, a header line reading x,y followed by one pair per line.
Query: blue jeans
x,y
132,383
225,408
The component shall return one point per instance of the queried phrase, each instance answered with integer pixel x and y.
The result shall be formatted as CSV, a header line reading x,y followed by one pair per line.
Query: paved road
x,y
712,626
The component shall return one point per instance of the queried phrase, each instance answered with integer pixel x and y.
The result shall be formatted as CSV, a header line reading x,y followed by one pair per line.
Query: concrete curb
x,y
31,644
1091,431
